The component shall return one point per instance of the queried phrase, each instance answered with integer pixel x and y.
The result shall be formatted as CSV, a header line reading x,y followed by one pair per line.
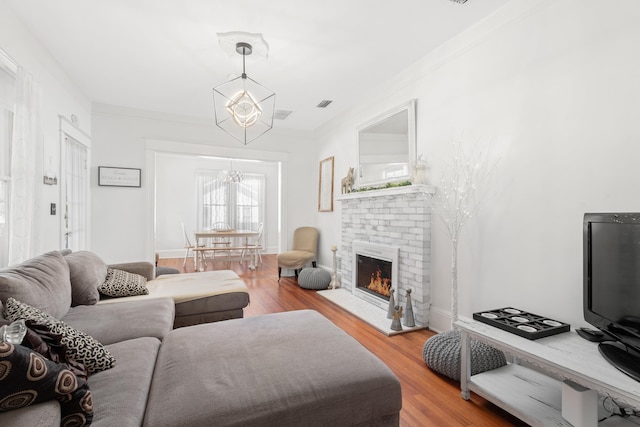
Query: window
x,y
239,205
7,99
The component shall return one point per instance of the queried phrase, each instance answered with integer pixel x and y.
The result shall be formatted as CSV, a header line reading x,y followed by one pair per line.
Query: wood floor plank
x,y
428,399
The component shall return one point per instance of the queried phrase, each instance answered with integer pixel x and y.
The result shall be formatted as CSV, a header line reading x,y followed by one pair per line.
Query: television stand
x,y
530,387
618,356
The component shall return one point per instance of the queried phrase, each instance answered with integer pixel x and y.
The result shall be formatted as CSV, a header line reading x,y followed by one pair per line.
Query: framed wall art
x,y
119,177
325,192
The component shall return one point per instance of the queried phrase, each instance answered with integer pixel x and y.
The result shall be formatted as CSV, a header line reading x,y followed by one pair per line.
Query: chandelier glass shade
x,y
233,176
243,107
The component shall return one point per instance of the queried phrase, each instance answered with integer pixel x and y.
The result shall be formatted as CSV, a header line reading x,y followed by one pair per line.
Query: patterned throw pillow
x,y
78,345
120,283
40,339
27,378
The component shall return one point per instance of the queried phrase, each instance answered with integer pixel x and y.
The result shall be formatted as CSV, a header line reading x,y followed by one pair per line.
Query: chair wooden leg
x,y
279,272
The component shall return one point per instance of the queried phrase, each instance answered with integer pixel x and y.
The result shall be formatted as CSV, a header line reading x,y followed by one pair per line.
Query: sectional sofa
x,y
285,369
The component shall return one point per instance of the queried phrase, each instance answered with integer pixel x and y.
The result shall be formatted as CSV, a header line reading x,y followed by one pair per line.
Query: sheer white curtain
x,y
26,161
240,205
7,100
213,199
249,202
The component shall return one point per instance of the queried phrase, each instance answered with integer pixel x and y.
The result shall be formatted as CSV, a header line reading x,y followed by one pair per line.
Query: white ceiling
x,y
163,55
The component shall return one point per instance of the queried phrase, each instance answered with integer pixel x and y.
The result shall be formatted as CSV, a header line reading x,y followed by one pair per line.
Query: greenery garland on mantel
x,y
382,187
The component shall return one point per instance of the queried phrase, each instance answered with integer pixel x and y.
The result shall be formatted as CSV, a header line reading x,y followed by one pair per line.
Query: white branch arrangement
x,y
456,199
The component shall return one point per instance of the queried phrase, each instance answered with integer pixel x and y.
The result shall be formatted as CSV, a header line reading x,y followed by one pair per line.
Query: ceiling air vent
x,y
324,103
281,114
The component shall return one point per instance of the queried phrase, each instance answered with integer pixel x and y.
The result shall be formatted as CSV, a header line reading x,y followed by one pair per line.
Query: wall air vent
x,y
281,114
324,103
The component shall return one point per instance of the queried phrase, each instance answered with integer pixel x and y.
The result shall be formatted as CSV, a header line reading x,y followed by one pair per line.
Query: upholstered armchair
x,y
304,250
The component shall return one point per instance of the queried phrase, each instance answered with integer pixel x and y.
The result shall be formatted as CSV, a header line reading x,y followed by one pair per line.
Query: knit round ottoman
x,y
441,353
166,270
314,278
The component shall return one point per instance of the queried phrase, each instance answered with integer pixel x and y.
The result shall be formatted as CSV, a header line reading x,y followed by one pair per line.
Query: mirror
x,y
387,146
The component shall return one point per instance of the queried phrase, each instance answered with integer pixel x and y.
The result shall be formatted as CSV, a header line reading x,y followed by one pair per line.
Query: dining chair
x,y
221,244
253,248
189,249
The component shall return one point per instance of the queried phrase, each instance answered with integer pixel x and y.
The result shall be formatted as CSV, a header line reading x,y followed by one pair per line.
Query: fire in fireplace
x,y
374,276
375,272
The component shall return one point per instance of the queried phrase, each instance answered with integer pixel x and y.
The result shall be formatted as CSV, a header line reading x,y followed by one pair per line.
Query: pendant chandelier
x,y
243,107
232,175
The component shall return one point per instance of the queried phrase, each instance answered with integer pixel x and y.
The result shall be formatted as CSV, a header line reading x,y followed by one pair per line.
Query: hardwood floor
x,y
428,399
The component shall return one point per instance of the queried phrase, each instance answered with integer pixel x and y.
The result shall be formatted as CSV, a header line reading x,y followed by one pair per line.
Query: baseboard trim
x,y
439,319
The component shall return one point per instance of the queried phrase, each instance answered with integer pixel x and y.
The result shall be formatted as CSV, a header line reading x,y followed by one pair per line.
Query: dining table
x,y
202,235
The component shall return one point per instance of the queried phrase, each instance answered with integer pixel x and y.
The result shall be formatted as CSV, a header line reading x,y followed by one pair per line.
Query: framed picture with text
x,y
325,192
119,177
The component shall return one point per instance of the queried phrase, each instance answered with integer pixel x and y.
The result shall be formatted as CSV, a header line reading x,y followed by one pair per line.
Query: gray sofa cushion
x,y
87,272
42,282
111,323
285,369
120,394
46,414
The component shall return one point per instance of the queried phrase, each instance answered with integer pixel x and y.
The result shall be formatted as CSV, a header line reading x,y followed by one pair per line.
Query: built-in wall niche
x,y
387,146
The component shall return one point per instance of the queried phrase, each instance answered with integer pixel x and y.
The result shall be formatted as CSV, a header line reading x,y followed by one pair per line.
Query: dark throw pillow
x,y
78,345
41,340
120,283
27,378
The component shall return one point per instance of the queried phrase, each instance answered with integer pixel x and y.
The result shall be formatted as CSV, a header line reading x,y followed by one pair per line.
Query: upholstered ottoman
x,y
203,297
314,278
286,369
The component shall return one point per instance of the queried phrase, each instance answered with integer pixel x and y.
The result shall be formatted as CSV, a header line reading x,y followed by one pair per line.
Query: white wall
x,y
550,89
60,97
123,217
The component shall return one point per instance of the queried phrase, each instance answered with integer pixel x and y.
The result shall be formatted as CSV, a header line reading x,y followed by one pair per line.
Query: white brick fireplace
x,y
396,218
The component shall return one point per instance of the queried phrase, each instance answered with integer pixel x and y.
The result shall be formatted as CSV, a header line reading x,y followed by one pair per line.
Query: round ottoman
x,y
314,278
441,353
166,270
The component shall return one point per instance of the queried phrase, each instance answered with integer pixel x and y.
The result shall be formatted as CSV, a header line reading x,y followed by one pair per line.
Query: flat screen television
x,y
612,285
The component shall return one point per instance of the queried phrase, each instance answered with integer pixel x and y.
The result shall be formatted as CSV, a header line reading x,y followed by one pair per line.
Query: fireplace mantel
x,y
394,191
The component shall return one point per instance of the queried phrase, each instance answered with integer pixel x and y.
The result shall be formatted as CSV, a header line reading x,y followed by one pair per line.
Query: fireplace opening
x,y
374,276
375,272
